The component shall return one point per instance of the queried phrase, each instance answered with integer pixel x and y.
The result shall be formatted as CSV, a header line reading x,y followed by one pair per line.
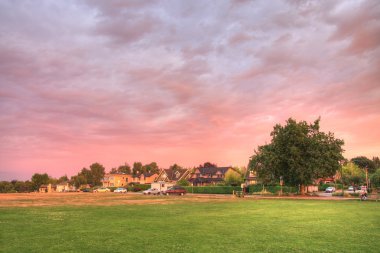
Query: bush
x,y
138,187
213,189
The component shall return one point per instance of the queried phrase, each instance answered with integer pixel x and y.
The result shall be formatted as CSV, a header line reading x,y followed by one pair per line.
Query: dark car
x,y
179,190
86,190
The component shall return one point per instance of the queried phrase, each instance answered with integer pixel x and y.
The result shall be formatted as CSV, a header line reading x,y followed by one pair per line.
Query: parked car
x,y
86,190
152,191
175,190
351,189
102,189
330,189
120,190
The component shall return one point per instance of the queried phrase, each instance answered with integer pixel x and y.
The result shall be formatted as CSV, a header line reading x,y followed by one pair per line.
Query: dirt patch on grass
x,y
99,199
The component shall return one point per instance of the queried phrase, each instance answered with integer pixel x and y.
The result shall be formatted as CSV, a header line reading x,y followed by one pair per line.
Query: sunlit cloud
x,y
180,82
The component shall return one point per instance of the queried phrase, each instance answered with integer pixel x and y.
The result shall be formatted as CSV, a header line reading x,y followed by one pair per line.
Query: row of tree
x,y
298,154
93,175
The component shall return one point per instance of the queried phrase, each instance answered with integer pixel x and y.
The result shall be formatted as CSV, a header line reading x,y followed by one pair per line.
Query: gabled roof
x,y
173,175
213,170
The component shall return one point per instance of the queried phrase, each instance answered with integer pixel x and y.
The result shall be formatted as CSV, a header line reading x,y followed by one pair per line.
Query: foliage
x,y
376,162
150,168
63,179
125,168
183,182
175,167
138,187
364,162
208,165
97,172
233,178
137,168
39,179
213,189
78,180
299,152
352,174
375,178
16,186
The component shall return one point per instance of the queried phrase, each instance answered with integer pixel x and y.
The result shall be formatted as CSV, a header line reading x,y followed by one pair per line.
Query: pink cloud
x,y
125,81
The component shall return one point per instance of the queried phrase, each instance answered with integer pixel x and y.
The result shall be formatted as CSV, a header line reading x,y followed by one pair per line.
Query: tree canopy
x,y
363,162
208,165
299,153
39,179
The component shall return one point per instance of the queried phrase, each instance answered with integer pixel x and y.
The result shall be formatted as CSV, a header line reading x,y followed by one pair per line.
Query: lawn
x,y
242,225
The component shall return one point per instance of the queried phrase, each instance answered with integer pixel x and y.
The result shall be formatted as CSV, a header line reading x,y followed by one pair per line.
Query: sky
x,y
180,81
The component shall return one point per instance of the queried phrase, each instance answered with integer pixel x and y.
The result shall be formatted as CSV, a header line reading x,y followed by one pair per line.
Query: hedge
x,y
229,189
212,189
138,187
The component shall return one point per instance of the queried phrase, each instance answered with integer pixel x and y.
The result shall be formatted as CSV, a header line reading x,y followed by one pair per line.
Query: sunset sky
x,y
180,81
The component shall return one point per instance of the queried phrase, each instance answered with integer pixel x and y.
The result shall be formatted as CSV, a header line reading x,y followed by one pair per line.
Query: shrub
x,y
213,189
138,187
183,182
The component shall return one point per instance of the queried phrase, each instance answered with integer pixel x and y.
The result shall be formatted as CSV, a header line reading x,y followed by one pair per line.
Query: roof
x,y
205,180
174,175
213,170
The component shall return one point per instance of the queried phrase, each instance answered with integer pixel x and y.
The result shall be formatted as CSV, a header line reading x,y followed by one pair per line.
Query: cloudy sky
x,y
180,81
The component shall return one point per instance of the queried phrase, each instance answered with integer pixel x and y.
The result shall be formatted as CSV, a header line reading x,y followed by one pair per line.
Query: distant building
x,y
172,175
144,178
115,180
65,187
122,180
47,188
209,176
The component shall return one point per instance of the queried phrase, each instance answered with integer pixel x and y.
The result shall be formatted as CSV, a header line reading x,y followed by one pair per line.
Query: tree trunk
x,y
302,189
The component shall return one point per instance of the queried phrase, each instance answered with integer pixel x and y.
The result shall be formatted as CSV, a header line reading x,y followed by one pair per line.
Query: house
x,y
122,180
47,188
161,185
209,176
250,178
116,179
65,187
144,178
172,175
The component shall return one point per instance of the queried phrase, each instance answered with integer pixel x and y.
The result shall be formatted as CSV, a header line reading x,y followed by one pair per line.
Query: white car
x,y
330,189
120,190
152,191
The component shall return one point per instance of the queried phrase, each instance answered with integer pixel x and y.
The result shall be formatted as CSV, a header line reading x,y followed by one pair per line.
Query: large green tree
x,y
299,153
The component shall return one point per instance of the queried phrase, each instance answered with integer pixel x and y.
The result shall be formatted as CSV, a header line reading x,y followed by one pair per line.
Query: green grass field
x,y
238,226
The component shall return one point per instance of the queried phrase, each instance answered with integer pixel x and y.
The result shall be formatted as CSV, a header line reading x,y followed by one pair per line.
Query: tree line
x,y
298,154
93,175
